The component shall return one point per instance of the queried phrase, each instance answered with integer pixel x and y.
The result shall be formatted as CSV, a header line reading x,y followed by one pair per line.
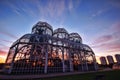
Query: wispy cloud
x,y
54,8
109,42
6,41
99,12
3,52
50,8
108,6
20,8
4,47
115,27
104,38
6,33
70,5
115,3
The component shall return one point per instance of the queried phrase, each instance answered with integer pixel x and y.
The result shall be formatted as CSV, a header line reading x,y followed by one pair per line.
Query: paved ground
x,y
30,77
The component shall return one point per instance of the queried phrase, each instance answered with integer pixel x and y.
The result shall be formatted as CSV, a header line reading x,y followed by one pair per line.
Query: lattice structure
x,y
48,51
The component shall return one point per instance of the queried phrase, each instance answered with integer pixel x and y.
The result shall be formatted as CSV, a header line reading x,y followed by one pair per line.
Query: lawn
x,y
107,75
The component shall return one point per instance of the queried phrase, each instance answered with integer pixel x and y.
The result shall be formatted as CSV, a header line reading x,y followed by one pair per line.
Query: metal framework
x,y
48,51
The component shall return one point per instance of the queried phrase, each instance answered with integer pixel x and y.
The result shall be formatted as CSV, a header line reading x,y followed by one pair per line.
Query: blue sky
x,y
97,21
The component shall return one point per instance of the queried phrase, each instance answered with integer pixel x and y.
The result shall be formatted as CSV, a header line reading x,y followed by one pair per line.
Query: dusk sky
x,y
97,21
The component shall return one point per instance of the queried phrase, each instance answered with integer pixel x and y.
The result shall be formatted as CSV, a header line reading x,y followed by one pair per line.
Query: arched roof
x,y
61,33
24,38
42,24
75,37
42,28
60,30
87,48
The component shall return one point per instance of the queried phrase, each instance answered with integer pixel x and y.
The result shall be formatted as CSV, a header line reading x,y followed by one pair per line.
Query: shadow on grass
x,y
105,75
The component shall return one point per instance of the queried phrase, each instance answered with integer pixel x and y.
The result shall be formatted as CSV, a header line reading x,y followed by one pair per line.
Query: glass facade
x,y
48,51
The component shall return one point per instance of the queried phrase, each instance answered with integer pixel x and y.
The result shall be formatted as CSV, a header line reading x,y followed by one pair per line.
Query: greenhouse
x,y
45,50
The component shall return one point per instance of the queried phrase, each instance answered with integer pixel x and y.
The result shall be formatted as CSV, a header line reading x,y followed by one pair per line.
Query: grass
x,y
107,75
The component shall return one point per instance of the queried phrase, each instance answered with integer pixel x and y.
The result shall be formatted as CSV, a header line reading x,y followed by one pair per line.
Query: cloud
x,y
6,41
55,8
3,53
4,47
100,11
21,8
8,34
109,42
13,7
109,45
5,32
110,4
115,27
104,38
115,3
58,8
70,5
48,8
97,13
114,48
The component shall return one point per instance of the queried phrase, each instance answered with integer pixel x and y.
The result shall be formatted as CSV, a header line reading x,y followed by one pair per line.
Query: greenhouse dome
x,y
42,28
60,33
75,37
47,51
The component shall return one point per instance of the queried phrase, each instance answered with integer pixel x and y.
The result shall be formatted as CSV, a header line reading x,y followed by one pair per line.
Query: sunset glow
x,y
97,22
2,59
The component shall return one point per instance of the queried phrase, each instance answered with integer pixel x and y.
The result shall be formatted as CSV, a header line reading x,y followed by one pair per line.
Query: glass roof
x,y
60,30
42,24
